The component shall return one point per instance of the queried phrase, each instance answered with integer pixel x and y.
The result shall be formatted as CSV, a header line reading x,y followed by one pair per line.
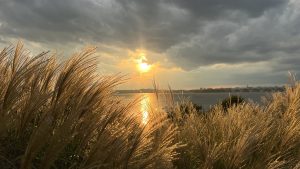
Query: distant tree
x,y
232,101
180,112
186,109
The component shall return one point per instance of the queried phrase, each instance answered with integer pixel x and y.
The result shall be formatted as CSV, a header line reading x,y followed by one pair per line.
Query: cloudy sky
x,y
189,43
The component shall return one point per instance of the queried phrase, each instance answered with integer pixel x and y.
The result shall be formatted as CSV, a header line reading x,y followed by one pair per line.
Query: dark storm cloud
x,y
131,24
270,37
157,24
192,33
50,21
215,8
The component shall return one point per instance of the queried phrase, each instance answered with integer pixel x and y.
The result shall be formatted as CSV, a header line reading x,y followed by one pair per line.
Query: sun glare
x,y
142,64
144,109
144,67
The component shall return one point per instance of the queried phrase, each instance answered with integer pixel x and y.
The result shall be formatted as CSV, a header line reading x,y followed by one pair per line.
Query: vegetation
x,y
64,115
244,135
178,113
232,101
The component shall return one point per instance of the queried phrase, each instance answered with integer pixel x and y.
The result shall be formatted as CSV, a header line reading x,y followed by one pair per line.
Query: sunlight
x,y
145,109
142,64
144,67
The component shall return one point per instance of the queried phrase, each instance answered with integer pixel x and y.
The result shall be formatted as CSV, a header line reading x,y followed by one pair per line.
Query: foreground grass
x,y
64,115
245,136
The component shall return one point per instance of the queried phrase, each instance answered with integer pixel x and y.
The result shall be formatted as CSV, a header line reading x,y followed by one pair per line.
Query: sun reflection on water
x,y
145,109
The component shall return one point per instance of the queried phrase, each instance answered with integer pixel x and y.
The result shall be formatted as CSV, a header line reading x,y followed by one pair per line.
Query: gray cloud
x,y
214,8
132,24
191,33
155,24
270,37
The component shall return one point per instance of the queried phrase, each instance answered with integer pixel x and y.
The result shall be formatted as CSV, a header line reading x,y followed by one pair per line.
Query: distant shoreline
x,y
209,90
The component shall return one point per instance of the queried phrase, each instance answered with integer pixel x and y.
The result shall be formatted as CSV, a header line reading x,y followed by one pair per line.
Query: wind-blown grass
x,y
56,115
245,136
64,115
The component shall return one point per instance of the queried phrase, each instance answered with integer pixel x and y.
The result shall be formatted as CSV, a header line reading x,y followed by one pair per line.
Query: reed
x,y
245,135
64,115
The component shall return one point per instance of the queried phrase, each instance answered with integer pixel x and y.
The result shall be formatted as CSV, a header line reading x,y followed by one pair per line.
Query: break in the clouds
x,y
189,34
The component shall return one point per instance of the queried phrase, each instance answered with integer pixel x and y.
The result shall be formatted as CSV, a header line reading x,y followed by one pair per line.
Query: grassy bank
x,y
64,115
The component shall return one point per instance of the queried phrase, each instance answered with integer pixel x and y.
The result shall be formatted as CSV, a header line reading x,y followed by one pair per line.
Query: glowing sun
x,y
144,67
142,64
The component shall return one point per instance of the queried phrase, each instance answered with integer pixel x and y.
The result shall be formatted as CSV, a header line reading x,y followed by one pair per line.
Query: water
x,y
206,100
202,99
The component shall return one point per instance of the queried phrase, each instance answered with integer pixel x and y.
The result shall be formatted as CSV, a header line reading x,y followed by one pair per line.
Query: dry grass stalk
x,y
65,116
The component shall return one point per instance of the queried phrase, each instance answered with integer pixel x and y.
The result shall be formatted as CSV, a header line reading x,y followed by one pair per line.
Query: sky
x,y
188,44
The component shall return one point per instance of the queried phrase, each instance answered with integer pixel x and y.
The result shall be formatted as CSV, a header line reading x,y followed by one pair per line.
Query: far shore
x,y
209,90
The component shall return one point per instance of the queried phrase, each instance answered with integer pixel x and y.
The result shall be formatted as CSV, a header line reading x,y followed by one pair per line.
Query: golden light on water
x,y
145,109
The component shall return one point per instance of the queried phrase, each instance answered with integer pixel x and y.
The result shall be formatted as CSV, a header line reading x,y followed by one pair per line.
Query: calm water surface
x,y
206,100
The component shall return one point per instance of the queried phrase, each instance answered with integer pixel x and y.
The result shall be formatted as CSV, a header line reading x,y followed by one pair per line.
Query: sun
x,y
144,67
142,64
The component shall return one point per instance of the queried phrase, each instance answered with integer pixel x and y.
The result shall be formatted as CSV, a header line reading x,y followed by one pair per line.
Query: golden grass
x,y
65,116
247,136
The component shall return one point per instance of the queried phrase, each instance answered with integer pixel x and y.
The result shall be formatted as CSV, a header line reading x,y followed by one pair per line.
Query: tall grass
x,y
64,115
245,136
